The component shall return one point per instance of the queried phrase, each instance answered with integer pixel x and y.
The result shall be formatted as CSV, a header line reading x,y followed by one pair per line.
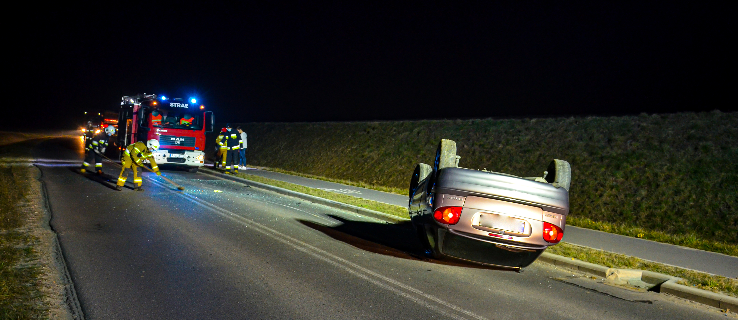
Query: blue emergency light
x,y
193,100
164,98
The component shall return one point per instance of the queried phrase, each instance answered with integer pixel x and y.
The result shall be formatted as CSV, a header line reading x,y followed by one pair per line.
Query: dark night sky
x,y
350,62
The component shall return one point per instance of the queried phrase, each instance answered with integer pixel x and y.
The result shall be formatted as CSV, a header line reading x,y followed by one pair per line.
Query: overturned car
x,y
487,217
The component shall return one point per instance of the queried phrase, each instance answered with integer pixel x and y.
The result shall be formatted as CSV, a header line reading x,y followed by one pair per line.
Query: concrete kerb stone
x,y
659,282
330,203
701,296
571,263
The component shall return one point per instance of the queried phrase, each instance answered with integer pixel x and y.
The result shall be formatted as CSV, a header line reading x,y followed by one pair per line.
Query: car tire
x,y
559,173
446,155
422,172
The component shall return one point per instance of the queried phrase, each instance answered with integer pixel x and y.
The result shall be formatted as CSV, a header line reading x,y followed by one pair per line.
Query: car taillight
x,y
448,215
552,233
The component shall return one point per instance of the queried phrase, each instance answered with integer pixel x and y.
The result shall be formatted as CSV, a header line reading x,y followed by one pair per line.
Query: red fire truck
x,y
179,125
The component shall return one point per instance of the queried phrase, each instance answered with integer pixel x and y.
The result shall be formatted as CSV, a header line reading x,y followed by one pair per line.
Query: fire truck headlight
x,y
201,157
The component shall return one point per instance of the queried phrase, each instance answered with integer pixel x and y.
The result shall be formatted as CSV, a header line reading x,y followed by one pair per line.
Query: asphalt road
x,y
704,261
221,250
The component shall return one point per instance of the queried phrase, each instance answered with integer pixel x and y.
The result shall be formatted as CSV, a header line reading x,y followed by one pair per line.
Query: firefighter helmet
x,y
110,130
153,144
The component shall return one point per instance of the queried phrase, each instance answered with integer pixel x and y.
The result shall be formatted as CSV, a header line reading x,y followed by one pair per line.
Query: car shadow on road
x,y
396,240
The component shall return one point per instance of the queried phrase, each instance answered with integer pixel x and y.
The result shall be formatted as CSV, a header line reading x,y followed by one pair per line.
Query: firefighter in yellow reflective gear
x,y
90,136
220,159
134,156
232,141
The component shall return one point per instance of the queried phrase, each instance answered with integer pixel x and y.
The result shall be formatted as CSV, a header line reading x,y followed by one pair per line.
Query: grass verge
x,y
338,197
692,278
690,240
344,182
20,290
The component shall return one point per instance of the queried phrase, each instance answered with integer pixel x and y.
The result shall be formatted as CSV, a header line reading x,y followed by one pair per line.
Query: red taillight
x,y
552,233
448,215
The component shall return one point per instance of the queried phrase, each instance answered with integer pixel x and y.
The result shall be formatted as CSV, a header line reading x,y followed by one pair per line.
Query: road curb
x,y
655,281
658,282
330,203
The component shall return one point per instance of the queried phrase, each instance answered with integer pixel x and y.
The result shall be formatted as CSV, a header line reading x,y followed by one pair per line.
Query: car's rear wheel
x,y
559,173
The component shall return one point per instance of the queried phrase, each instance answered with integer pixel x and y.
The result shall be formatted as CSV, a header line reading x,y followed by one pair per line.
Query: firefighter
x,y
187,120
221,151
99,144
232,141
133,157
90,134
156,118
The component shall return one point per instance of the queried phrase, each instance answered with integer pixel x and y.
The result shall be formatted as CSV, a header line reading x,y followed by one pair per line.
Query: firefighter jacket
x,y
89,135
187,121
138,152
220,138
156,119
99,142
231,140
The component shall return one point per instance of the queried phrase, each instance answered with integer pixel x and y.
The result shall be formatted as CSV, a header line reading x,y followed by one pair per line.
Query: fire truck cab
x,y
179,126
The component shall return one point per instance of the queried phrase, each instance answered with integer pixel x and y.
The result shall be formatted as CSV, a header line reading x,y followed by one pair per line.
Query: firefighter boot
x,y
138,189
118,188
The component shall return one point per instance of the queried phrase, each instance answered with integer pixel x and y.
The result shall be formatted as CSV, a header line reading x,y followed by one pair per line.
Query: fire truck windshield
x,y
176,120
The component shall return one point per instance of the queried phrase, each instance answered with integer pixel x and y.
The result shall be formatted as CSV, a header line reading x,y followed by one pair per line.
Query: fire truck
x,y
179,125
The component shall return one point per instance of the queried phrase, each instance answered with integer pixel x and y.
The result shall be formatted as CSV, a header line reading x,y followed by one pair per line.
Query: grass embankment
x,y
30,285
20,290
670,178
612,260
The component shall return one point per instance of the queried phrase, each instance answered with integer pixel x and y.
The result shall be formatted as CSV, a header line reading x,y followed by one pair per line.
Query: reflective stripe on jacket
x,y
231,140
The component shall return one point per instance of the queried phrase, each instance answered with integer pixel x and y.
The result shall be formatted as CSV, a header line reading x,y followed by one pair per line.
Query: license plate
x,y
174,155
504,223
